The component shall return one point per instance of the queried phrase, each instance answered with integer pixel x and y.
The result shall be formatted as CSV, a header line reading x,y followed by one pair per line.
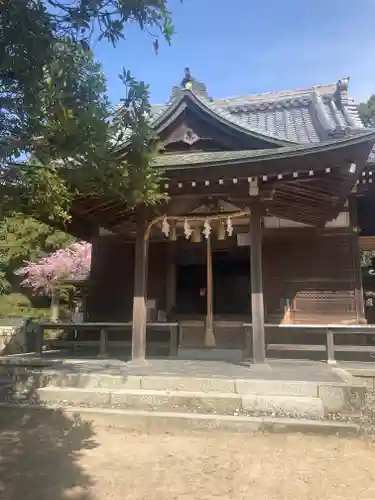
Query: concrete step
x,y
157,421
224,403
336,397
289,406
182,401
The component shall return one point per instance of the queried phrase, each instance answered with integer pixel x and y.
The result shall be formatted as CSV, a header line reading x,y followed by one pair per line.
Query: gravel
x,y
63,459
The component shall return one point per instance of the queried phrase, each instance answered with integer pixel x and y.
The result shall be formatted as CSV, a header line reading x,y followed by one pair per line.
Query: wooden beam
x,y
306,201
295,214
140,292
257,301
309,195
215,189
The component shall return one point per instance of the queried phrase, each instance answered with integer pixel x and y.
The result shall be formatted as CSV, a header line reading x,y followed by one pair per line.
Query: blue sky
x,y
244,46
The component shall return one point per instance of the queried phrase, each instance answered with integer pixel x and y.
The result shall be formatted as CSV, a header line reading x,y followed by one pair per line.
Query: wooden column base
x,y
209,337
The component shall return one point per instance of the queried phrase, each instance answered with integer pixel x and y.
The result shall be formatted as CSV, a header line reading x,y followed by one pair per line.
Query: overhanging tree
x,y
54,106
29,33
55,112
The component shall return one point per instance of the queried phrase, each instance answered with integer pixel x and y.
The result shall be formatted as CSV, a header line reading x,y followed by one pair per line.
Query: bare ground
x,y
60,459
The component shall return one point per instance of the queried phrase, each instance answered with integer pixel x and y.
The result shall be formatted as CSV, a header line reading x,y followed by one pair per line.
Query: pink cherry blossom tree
x,y
68,263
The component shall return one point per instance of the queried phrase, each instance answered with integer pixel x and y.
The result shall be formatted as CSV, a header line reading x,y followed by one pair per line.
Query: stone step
x,y
157,421
40,378
289,406
190,402
336,397
224,403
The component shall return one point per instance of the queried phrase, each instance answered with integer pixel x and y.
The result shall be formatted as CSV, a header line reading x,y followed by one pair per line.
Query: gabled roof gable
x,y
205,107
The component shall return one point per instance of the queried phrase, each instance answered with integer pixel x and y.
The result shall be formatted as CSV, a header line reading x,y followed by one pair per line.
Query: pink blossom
x,y
68,263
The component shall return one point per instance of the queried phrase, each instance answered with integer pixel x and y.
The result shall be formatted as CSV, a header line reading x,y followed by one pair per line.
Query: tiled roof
x,y
300,116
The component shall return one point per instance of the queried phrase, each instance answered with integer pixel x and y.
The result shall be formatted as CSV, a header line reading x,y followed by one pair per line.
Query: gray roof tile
x,y
302,116
291,117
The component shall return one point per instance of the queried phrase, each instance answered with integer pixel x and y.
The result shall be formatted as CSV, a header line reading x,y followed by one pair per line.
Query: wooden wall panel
x,y
157,274
112,279
315,275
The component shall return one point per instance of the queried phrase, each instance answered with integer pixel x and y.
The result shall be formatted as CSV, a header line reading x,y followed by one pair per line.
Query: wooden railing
x,y
104,328
328,332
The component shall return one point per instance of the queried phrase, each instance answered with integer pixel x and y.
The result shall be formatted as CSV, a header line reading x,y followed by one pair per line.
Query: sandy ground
x,y
60,459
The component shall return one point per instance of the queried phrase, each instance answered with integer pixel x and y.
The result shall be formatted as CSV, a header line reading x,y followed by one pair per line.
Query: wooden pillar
x,y
355,250
170,301
257,303
209,337
140,292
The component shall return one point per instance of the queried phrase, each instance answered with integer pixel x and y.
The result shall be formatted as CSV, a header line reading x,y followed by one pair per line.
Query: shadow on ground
x,y
39,454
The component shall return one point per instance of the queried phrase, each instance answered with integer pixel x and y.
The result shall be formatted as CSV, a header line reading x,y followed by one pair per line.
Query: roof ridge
x,y
278,94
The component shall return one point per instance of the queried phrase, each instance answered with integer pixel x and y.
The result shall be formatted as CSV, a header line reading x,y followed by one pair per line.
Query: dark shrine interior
x,y
231,278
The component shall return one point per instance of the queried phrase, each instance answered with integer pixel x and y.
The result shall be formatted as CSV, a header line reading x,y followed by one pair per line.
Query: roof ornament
x,y
187,81
190,83
341,93
343,84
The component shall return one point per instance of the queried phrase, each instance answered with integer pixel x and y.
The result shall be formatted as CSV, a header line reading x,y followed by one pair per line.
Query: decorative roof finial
x,y
341,93
343,83
187,81
192,84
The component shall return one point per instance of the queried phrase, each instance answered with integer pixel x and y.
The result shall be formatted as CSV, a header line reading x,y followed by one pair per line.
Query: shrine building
x,y
268,197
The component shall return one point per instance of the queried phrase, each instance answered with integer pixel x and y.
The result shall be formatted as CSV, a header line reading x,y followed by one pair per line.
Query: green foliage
x,y
55,108
58,135
112,161
17,305
112,17
132,178
32,36
24,52
74,104
366,112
